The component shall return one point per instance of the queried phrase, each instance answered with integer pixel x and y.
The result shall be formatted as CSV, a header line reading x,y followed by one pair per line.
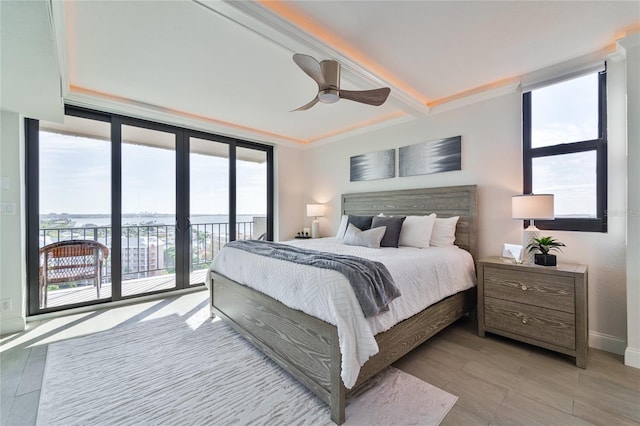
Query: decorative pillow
x,y
394,227
416,231
361,222
444,232
369,238
343,226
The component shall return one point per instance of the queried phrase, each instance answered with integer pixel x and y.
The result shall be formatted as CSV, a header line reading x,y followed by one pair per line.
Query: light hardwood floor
x,y
501,381
498,381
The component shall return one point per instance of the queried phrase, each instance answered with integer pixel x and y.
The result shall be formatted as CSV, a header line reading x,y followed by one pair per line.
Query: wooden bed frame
x,y
307,347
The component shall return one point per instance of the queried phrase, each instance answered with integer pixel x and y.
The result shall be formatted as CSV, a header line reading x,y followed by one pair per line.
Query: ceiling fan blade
x,y
307,106
311,67
374,97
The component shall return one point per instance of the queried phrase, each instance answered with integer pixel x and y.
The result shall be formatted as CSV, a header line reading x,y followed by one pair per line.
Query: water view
x,y
149,252
64,220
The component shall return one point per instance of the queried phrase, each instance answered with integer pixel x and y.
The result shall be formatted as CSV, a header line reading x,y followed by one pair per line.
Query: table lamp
x,y
315,210
531,207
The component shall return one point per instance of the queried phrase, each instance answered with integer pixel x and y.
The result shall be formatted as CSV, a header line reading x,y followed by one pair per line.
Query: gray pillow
x,y
369,238
394,226
361,222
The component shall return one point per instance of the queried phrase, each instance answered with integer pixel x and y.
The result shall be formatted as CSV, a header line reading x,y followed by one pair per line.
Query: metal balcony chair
x,y
73,260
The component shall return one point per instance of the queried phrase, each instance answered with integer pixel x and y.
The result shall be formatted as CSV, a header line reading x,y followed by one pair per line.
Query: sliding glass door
x,y
148,213
251,194
208,204
139,207
75,204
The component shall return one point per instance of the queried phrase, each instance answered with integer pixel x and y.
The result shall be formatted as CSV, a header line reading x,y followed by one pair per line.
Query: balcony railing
x,y
149,250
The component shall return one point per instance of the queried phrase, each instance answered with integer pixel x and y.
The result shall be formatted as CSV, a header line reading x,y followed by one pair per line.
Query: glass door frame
x,y
183,231
181,269
233,145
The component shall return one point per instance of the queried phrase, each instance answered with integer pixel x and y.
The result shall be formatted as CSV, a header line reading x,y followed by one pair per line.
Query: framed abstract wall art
x,y
374,165
442,155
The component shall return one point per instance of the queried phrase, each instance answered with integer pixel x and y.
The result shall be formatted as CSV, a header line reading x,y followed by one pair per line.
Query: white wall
x,y
632,47
492,159
289,192
12,231
606,253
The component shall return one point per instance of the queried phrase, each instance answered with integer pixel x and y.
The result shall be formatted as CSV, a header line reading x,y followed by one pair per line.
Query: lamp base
x,y
528,236
315,229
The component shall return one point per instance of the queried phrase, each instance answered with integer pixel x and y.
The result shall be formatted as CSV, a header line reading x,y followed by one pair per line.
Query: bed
x,y
309,348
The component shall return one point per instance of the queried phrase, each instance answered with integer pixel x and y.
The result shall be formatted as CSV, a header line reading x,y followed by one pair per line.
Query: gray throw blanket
x,y
371,281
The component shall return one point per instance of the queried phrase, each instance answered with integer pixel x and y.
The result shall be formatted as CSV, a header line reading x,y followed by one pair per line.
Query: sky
x,y
563,113
75,179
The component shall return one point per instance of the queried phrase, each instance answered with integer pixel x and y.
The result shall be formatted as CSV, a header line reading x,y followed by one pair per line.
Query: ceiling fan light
x,y
328,96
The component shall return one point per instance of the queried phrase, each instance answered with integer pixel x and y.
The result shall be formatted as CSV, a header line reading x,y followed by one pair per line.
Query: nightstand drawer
x,y
545,325
544,290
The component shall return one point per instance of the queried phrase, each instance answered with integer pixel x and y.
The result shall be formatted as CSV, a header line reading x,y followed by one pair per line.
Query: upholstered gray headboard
x,y
445,201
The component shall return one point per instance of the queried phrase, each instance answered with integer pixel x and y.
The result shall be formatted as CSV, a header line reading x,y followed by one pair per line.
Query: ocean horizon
x,y
102,220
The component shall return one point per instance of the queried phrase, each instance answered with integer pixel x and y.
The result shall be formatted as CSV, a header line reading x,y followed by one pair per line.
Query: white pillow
x,y
343,226
416,231
444,232
369,238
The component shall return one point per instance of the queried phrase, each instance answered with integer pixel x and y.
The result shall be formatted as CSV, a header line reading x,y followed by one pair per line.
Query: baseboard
x,y
12,325
632,357
608,343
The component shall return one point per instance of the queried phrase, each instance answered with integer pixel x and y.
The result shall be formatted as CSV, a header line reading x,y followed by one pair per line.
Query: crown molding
x,y
159,114
394,120
476,95
77,97
273,27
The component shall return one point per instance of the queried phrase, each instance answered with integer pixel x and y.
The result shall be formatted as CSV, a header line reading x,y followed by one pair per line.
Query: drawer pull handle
x,y
524,288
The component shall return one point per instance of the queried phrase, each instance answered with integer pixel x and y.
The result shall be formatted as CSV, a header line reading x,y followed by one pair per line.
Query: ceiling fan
x,y
327,75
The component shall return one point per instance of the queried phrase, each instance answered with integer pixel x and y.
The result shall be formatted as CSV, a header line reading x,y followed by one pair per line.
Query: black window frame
x,y
32,131
599,145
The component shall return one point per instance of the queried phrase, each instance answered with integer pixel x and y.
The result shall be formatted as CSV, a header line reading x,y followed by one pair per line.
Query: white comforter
x,y
424,277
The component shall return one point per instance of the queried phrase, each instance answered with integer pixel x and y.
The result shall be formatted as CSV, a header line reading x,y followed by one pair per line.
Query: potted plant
x,y
544,245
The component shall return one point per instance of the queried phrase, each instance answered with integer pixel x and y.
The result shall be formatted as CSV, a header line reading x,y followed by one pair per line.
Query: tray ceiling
x,y
227,66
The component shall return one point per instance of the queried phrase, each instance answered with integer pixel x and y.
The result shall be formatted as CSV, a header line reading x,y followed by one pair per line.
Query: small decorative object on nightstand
x,y
538,305
544,245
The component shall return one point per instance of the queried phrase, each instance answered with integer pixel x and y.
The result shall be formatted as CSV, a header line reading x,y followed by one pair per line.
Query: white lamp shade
x,y
315,210
532,206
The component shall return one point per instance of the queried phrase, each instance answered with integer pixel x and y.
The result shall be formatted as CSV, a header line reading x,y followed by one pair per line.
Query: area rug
x,y
170,371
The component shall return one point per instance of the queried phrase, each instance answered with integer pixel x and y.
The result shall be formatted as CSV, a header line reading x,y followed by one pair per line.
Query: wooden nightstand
x,y
541,305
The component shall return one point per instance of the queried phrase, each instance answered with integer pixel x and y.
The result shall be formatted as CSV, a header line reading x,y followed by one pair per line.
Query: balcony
x,y
69,296
148,257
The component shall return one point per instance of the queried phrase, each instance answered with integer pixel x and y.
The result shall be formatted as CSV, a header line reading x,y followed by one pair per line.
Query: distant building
x,y
143,256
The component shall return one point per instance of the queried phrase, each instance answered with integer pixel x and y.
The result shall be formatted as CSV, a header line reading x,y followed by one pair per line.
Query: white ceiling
x,y
227,67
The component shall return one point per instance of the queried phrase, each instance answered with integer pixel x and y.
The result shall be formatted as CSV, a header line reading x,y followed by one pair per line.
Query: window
x,y
565,151
161,199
